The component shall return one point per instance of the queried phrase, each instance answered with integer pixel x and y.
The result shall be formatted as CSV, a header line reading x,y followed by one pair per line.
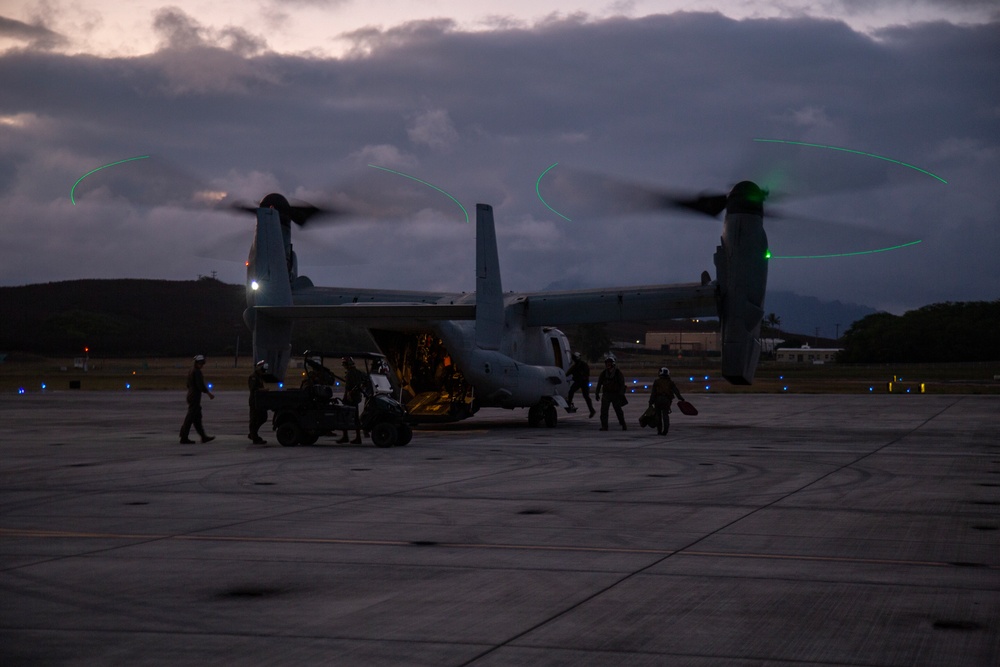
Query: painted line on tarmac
x,y
58,534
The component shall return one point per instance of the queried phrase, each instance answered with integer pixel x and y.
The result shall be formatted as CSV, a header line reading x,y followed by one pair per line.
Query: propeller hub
x,y
278,203
746,197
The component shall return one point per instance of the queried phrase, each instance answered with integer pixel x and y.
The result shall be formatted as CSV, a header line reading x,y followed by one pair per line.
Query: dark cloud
x,y
669,102
180,32
35,36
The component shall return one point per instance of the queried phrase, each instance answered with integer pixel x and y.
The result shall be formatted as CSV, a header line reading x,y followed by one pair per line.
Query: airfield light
x,y
708,387
44,386
281,385
20,390
210,385
128,385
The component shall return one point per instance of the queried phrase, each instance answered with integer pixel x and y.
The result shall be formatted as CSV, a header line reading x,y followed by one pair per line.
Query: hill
x,y
119,318
143,318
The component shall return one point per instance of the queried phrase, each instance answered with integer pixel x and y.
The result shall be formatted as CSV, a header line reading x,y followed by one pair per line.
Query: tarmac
x,y
767,530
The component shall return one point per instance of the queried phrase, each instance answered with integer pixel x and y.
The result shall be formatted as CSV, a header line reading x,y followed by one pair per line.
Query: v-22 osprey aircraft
x,y
455,353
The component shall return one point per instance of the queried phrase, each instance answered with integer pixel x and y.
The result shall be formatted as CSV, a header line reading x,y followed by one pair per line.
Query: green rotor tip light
x,y
845,254
851,150
422,182
72,190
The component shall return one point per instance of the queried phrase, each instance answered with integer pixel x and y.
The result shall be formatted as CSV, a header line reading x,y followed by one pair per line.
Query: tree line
x,y
941,332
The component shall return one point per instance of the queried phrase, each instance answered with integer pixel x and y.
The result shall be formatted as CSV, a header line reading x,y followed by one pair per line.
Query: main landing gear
x,y
543,413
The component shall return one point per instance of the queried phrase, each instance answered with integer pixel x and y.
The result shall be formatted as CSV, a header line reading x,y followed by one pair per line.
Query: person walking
x,y
661,397
195,388
579,370
612,382
258,417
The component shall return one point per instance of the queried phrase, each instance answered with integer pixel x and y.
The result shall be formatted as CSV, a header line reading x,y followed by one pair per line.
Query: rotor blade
x,y
232,247
301,214
581,193
803,236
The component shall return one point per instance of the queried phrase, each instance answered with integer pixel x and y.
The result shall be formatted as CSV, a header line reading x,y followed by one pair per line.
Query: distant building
x,y
684,342
807,355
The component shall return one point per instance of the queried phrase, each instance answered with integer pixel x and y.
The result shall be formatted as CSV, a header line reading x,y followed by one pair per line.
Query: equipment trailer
x,y
302,416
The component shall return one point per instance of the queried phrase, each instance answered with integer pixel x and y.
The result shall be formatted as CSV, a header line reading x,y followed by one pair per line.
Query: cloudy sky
x,y
301,96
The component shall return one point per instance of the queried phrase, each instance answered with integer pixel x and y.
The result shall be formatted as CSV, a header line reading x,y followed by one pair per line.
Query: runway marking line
x,y
29,533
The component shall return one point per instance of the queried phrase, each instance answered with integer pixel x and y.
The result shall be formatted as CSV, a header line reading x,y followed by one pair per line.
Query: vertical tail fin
x,y
489,291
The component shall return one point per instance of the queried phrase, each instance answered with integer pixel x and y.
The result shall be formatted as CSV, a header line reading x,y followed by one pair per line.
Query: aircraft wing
x,y
366,313
651,302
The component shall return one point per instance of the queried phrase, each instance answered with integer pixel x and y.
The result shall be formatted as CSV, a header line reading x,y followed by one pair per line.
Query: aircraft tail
x,y
489,291
270,270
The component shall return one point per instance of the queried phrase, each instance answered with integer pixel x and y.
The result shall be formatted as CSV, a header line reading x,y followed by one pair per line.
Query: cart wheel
x,y
309,438
384,434
288,433
405,435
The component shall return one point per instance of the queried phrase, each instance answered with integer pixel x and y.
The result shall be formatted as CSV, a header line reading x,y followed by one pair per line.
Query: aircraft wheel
x,y
535,415
288,433
551,416
384,434
405,435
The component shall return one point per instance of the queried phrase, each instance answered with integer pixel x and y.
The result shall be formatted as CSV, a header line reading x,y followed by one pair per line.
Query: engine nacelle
x,y
269,284
741,268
